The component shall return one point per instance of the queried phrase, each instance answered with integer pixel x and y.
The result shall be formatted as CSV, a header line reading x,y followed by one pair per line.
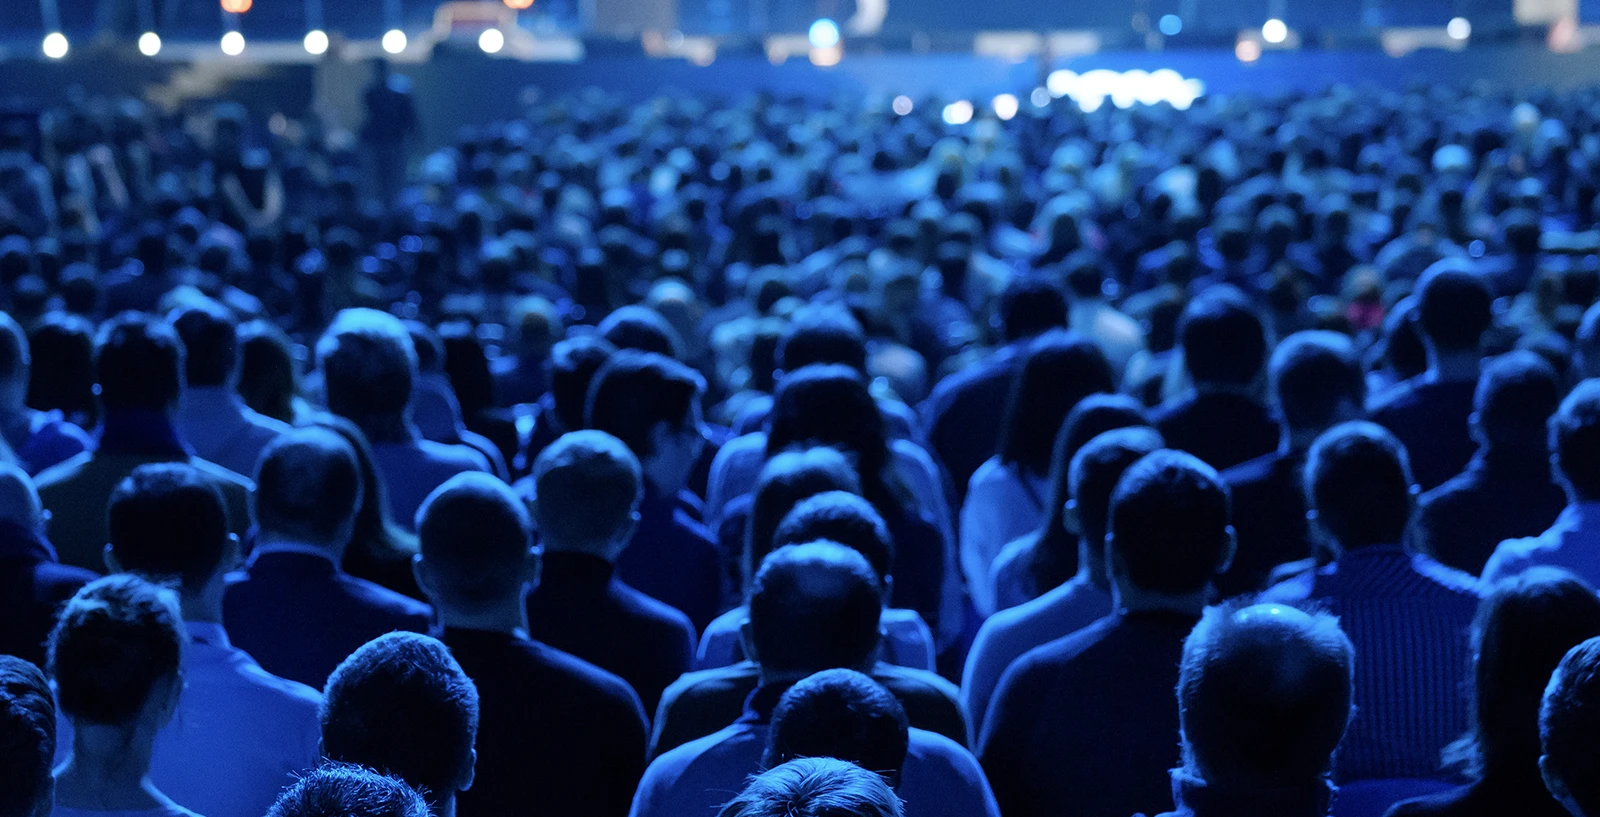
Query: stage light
x,y
1274,31
1040,97
491,41
316,42
1006,106
54,45
149,43
237,6
519,5
233,43
1060,83
1247,51
902,105
958,112
394,41
1171,25
824,33
1459,28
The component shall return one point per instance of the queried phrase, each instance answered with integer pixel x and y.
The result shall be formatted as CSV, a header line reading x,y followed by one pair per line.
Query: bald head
x,y
19,501
475,535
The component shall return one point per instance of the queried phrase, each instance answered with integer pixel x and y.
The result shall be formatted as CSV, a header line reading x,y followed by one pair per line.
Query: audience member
x,y
39,439
33,585
347,790
27,740
573,364
1225,345
212,417
1570,762
815,787
380,551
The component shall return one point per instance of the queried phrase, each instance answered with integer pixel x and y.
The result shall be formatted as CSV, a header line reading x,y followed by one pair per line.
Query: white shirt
x,y
1002,504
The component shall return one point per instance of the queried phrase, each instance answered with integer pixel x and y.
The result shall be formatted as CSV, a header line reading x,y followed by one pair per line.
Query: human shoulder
x,y
63,472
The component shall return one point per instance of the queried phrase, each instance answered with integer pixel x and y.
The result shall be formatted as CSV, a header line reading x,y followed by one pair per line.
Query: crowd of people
x,y
802,458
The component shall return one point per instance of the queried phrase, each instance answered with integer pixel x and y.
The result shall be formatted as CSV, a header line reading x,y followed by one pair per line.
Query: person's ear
x,y
110,558
470,772
533,566
422,571
1229,550
1557,787
232,554
1070,520
747,638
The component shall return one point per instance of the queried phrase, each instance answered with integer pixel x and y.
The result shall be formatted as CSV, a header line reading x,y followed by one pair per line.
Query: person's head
x,y
1059,370
842,714
573,363
1517,393
785,480
844,518
167,523
1095,473
477,546
401,704
830,405
63,373
308,490
1223,339
652,404
349,790
1168,533
15,364
27,740
1575,441
1317,381
1031,305
210,343
269,377
1358,486
587,488
1569,730
823,336
643,329
1454,307
815,787
1264,696
138,364
114,657
813,607
368,364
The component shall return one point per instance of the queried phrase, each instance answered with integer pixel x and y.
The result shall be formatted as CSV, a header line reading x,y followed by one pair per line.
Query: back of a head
x,y
349,790
842,517
573,364
1316,374
786,480
402,705
1095,415
1454,306
1168,525
842,714
474,534
816,787
138,364
1265,695
116,641
636,391
368,362
813,607
1575,439
167,522
1224,341
1061,368
1358,481
1569,729
308,487
1030,306
1098,468
828,405
210,343
1517,393
641,328
588,486
823,336
27,738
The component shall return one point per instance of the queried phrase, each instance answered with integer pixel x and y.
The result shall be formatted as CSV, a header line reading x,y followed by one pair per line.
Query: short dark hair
x,y
1516,396
166,521
210,342
474,533
138,362
368,363
815,787
1031,305
116,640
588,486
843,517
1454,306
824,335
1169,523
573,364
1098,468
269,377
831,405
348,790
813,607
1223,338
307,484
1575,439
27,736
842,714
1358,481
1059,369
1264,694
402,705
784,482
641,328
1312,373
1569,725
636,391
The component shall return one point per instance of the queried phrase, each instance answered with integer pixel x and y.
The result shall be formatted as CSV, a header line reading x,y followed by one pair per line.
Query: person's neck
x,y
1130,599
267,540
508,617
204,606
1457,366
109,769
1092,565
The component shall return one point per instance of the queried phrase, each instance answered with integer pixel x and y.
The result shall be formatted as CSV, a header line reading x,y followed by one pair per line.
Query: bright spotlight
x,y
233,43
1040,97
1274,31
1247,51
491,40
1060,82
902,105
1171,25
1459,28
824,33
316,42
1006,106
394,41
54,45
958,112
149,43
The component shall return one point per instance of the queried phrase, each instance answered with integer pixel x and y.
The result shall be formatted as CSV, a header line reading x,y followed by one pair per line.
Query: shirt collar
x,y
1197,798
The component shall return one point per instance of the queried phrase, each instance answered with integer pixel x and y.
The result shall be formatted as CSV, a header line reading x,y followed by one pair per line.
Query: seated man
x,y
212,417
369,367
1569,731
27,740
401,705
39,439
560,728
588,488
1407,614
294,610
1223,422
348,790
812,607
139,368
816,787
33,585
1087,724
115,659
240,735
1264,698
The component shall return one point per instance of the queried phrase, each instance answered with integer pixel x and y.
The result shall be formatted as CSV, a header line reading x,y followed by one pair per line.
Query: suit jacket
x,y
674,559
1497,498
1269,517
1430,417
1222,428
33,586
298,615
224,430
